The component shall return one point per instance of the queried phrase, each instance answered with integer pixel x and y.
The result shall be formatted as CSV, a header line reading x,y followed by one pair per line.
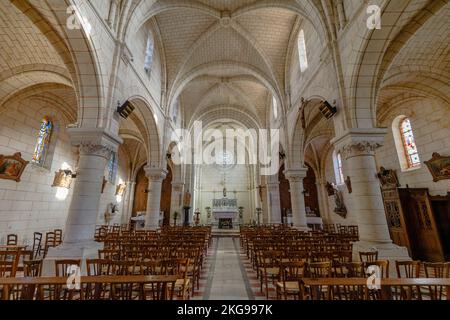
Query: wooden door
x,y
311,194
441,210
140,193
396,218
423,230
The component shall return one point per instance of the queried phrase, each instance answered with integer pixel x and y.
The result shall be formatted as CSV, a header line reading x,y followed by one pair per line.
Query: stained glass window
x,y
43,141
338,168
409,144
149,54
275,108
112,167
303,58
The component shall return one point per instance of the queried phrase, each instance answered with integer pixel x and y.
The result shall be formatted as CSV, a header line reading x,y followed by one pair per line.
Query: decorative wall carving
x,y
359,149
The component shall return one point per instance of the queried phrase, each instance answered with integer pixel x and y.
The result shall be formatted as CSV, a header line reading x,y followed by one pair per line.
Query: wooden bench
x,y
385,284
166,284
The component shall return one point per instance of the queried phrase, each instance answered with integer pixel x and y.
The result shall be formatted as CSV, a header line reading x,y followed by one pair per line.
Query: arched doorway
x,y
140,193
310,192
166,196
285,195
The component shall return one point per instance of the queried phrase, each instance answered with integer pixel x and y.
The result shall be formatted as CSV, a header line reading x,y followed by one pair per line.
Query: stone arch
x,y
377,55
76,49
144,118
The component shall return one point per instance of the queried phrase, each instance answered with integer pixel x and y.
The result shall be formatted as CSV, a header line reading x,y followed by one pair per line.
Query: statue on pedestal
x,y
186,207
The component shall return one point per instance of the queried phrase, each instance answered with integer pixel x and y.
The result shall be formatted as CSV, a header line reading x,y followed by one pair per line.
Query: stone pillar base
x,y
82,250
386,251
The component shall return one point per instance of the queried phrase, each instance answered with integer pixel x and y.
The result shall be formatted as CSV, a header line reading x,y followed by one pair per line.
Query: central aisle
x,y
227,279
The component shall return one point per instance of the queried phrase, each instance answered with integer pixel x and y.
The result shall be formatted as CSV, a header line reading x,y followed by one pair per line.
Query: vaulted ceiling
x,y
226,54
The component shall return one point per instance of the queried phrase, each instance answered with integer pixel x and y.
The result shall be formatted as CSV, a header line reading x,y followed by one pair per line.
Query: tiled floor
x,y
227,274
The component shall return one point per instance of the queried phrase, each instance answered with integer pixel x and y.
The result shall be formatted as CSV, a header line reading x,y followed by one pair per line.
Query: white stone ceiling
x,y
257,40
422,66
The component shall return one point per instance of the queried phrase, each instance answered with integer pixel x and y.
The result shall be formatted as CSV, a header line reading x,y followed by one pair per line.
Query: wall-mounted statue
x,y
187,199
340,208
388,178
111,211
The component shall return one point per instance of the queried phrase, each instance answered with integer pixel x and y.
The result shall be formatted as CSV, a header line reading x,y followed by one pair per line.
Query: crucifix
x,y
224,185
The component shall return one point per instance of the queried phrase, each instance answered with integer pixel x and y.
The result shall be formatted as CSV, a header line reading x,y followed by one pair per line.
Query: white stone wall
x,y
429,120
211,180
30,205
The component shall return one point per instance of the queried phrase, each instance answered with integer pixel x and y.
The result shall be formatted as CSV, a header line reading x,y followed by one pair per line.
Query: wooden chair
x,y
409,269
24,255
9,261
319,270
383,266
291,274
97,267
58,237
49,242
32,268
11,240
64,268
369,256
37,241
124,291
269,268
437,270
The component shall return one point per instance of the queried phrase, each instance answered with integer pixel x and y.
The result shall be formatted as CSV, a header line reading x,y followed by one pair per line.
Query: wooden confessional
x,y
416,220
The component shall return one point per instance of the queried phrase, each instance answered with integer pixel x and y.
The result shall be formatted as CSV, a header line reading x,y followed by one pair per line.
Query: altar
x,y
225,212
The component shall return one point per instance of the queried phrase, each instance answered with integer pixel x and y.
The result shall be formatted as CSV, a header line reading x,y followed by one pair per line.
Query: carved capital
x,y
91,149
295,175
362,148
155,174
359,142
94,141
177,186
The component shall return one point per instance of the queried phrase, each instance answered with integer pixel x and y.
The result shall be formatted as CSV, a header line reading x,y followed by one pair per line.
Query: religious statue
x,y
224,192
333,190
388,178
187,199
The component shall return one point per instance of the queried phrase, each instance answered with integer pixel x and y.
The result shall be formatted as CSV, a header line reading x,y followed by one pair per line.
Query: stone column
x,y
177,201
295,178
357,148
95,147
273,189
155,178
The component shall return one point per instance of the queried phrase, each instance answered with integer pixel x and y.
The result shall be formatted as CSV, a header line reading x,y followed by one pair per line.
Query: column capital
x,y
359,142
295,175
155,174
178,185
94,141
